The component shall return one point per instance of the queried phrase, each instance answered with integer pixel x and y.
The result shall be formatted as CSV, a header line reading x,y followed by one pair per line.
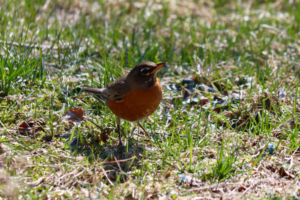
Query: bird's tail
x,y
101,92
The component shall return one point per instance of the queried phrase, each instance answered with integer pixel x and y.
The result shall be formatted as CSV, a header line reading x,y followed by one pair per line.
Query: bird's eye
x,y
145,71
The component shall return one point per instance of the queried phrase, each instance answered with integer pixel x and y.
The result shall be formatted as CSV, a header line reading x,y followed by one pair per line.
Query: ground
x,y
227,127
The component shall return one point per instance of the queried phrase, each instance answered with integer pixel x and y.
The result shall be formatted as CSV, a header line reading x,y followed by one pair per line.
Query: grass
x,y
215,143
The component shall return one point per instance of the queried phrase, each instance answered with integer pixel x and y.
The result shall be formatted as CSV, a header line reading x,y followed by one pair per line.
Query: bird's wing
x,y
114,91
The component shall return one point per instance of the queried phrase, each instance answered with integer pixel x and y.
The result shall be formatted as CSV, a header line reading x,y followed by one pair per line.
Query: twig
x,y
119,161
122,172
107,176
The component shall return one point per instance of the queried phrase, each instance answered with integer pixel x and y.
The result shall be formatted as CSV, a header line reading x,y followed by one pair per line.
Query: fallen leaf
x,y
242,188
31,126
254,143
203,100
74,114
283,173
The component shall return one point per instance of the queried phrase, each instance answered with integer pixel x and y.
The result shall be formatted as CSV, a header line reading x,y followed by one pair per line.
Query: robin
x,y
134,96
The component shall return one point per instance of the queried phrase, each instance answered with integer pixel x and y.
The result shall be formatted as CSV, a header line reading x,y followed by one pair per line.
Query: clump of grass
x,y
17,70
224,166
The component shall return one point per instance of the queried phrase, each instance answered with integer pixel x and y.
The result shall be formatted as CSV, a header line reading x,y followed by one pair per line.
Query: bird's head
x,y
143,75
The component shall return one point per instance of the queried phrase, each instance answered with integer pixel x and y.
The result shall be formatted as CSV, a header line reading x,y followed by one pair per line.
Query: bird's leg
x,y
143,129
119,130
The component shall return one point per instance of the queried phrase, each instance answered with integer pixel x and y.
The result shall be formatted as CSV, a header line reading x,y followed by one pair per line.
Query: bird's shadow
x,y
115,159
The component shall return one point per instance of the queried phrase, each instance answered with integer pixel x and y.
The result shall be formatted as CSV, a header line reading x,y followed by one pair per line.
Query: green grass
x,y
50,49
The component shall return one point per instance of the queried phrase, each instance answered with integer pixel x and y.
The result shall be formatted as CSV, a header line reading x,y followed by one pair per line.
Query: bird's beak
x,y
158,66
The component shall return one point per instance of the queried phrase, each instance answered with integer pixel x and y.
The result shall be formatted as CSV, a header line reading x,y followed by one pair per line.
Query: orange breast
x,y
137,104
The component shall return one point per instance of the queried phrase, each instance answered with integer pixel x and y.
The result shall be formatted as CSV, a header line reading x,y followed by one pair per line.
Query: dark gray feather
x,y
114,91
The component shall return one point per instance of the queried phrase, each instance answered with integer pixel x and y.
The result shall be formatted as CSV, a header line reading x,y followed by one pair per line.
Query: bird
x,y
134,96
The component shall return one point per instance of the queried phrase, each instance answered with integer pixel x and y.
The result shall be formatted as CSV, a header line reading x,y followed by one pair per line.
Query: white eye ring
x,y
147,74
